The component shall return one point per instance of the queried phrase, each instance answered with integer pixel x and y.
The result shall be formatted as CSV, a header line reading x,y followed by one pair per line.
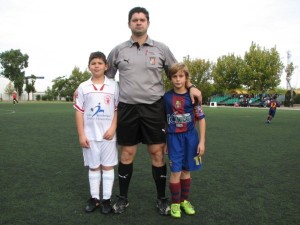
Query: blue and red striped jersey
x,y
181,114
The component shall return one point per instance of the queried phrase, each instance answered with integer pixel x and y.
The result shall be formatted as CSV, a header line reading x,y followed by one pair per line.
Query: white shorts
x,y
103,153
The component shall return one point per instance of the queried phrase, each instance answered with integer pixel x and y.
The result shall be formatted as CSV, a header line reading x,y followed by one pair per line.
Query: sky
x,y
58,35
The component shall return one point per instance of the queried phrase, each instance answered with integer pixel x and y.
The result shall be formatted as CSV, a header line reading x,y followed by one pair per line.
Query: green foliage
x,y
291,99
47,98
13,63
49,95
289,70
166,81
297,99
226,73
262,70
200,76
75,79
280,91
29,85
58,87
65,87
258,72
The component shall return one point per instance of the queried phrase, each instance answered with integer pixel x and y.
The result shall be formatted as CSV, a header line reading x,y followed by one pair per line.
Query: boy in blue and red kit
x,y
273,106
184,146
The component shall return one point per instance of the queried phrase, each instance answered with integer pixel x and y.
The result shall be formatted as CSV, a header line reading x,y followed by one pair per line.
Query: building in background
x,y
40,90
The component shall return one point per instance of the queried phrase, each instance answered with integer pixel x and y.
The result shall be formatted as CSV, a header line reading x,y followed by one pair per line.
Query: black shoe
x,y
163,206
105,206
93,203
121,204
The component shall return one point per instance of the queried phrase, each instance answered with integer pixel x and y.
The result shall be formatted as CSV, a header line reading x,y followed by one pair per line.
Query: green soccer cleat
x,y
175,210
187,207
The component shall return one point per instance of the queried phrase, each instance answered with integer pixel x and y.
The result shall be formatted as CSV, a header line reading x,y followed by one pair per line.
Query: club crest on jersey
x,y
152,60
178,104
107,99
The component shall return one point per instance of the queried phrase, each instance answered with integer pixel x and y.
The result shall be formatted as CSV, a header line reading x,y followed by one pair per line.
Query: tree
x,y
9,89
58,87
289,70
13,63
226,73
200,76
65,87
75,79
29,87
262,69
49,95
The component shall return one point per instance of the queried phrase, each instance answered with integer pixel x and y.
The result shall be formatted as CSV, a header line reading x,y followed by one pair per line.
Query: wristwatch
x,y
192,86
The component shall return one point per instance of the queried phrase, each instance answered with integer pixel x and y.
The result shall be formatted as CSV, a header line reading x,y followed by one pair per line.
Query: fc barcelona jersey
x,y
274,104
181,114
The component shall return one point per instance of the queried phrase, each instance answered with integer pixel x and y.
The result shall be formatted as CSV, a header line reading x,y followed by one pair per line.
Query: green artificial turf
x,y
250,173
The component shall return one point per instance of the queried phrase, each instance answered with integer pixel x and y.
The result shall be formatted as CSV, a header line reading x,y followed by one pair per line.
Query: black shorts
x,y
141,123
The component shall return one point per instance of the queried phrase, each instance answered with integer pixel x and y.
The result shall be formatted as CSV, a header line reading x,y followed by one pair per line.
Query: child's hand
x,y
201,149
109,134
84,142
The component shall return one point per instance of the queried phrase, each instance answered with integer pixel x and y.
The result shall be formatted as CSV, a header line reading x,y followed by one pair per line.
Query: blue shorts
x,y
182,151
272,112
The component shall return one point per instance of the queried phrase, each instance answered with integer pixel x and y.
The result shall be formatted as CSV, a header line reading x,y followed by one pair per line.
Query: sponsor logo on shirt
x,y
98,110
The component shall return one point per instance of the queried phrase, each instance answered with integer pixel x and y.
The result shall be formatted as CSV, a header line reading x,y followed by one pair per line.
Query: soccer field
x,y
251,172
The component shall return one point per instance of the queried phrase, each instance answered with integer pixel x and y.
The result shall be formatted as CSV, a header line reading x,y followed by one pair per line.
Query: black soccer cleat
x,y
93,203
105,207
163,206
121,204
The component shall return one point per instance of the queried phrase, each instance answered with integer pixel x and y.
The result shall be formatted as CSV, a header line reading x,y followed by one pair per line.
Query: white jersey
x,y
98,104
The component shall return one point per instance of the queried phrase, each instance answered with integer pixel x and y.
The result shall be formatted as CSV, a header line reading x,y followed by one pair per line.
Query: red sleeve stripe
x,y
77,108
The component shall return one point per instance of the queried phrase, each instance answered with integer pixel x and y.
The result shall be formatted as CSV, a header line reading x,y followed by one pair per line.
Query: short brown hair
x,y
99,55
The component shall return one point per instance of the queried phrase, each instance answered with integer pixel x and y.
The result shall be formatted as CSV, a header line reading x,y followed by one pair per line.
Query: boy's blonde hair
x,y
176,67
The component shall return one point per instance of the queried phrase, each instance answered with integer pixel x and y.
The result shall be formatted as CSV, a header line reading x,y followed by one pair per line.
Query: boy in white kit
x,y
96,121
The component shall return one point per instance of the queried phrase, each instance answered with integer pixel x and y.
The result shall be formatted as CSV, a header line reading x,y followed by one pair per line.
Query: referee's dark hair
x,y
138,10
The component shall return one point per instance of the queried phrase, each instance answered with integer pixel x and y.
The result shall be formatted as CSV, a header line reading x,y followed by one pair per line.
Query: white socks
x,y
94,179
108,181
108,177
